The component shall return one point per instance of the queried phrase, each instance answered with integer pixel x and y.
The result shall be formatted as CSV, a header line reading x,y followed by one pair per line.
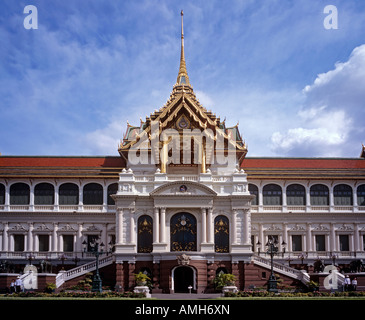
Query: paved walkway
x,y
185,296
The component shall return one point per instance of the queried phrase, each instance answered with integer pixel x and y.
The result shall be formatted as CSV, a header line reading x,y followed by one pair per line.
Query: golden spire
x,y
182,77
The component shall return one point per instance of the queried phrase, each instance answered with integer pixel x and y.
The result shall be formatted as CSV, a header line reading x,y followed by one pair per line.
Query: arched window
x,y
68,194
112,189
44,193
361,195
145,234
183,232
272,195
19,194
93,194
342,195
221,234
319,194
295,195
2,194
254,191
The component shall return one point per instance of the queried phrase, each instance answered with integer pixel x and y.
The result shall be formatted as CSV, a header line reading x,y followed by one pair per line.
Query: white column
x,y
156,224
132,237
7,199
81,197
285,235
261,236
163,225
261,200
210,226
234,226
246,231
105,198
31,198
54,237
351,242
333,238
30,237
5,237
328,242
284,199
119,228
79,238
56,197
354,197
204,225
356,238
308,198
309,238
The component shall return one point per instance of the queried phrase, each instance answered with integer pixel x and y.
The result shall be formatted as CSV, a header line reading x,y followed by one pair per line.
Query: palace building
x,y
181,203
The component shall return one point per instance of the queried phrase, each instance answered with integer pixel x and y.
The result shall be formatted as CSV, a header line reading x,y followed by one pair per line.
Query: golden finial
x,y
182,77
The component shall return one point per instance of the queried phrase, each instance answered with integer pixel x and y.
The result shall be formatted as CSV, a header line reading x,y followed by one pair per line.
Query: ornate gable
x,y
182,114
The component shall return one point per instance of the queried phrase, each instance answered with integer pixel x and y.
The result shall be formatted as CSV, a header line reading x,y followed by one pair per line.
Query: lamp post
x,y
94,249
272,249
30,257
62,257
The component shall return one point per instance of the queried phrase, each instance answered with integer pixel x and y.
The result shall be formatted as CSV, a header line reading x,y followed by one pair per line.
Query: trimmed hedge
x,y
294,294
73,294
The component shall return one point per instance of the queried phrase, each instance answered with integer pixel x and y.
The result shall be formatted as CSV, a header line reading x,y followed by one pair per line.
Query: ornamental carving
x,y
321,228
345,228
19,227
43,227
183,260
92,228
68,227
273,228
297,227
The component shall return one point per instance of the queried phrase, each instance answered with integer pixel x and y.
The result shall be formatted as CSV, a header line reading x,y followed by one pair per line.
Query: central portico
x,y
182,192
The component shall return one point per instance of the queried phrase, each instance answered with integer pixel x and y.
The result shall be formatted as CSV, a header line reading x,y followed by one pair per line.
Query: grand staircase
x,y
64,276
300,275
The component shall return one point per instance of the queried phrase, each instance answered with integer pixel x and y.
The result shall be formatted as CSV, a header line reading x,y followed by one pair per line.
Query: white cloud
x,y
104,141
331,121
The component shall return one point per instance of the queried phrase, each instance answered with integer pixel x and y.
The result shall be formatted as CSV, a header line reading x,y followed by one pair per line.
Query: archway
x,y
182,278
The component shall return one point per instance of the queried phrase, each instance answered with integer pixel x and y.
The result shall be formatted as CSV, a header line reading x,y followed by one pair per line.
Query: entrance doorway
x,y
183,277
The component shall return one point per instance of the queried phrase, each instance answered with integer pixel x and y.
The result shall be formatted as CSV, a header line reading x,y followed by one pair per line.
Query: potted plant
x,y
50,287
141,278
224,280
313,286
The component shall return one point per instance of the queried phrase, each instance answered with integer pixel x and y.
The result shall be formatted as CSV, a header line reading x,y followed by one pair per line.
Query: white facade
x,y
157,195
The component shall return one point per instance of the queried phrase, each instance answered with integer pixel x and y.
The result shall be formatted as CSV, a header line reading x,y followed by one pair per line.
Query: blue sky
x,y
295,87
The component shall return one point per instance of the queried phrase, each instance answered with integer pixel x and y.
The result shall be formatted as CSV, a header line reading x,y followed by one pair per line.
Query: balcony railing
x,y
300,208
52,208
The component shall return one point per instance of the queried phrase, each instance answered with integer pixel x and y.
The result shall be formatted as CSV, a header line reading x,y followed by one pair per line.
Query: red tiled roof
x,y
25,161
119,162
305,163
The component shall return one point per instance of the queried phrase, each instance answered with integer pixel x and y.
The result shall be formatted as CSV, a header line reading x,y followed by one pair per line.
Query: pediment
x,y
183,189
